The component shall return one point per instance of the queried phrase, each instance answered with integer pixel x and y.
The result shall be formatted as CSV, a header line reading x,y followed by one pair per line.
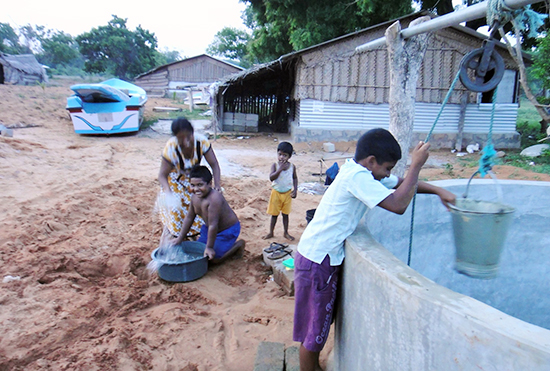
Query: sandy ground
x,y
77,229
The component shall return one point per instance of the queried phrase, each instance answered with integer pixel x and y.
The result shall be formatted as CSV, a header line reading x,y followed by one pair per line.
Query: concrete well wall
x,y
395,317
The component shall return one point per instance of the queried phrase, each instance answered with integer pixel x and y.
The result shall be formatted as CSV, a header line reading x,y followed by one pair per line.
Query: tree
x,y
30,38
9,41
231,43
282,26
171,56
117,50
442,7
541,65
58,49
166,56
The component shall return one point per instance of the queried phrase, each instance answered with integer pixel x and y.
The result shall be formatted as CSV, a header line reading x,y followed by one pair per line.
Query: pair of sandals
x,y
277,251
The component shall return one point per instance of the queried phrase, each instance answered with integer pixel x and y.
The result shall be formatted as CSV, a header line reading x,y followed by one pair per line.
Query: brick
x,y
240,116
284,277
239,128
270,356
228,127
281,275
251,117
292,359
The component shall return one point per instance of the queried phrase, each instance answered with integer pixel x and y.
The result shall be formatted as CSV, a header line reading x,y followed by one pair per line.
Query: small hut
x,y
331,92
196,72
21,69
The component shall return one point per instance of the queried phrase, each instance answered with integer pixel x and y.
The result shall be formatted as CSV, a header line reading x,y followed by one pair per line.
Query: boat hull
x,y
111,107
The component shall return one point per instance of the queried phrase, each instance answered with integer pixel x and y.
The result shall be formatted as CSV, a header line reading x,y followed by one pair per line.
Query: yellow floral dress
x,y
171,214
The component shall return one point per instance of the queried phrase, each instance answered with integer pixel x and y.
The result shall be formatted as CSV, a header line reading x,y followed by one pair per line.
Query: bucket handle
x,y
497,185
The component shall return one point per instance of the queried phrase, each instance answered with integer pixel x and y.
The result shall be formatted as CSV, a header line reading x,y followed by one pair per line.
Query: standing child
x,y
221,226
284,188
362,183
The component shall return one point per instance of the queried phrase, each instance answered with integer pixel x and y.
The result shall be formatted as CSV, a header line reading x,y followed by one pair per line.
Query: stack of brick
x,y
240,122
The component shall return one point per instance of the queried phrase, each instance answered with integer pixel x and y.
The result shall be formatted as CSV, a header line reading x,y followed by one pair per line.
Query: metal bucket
x,y
480,229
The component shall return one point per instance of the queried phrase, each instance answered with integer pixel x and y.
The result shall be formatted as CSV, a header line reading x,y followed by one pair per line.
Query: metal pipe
x,y
470,13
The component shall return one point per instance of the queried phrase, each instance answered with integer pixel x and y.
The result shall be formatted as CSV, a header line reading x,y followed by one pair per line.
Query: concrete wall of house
x,y
394,317
321,121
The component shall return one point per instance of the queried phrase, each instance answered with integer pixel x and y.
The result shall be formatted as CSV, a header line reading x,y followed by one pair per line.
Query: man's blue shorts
x,y
224,240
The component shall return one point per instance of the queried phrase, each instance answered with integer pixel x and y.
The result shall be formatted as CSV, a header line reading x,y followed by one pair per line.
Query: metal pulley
x,y
487,65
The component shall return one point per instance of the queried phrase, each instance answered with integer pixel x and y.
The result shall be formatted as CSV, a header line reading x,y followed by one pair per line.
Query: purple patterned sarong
x,y
315,287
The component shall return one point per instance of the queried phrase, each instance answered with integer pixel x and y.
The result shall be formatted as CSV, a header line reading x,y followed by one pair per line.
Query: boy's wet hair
x,y
285,147
379,143
181,124
202,172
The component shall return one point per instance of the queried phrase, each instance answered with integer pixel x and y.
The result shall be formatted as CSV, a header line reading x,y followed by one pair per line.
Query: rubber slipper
x,y
275,246
278,254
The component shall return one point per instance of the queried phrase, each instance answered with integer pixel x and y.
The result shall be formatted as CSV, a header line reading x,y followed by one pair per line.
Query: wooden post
x,y
190,92
461,117
405,59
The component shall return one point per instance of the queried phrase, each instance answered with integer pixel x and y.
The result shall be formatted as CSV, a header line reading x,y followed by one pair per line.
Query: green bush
x,y
530,133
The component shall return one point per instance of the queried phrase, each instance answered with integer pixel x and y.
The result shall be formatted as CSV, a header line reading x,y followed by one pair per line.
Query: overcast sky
x,y
186,26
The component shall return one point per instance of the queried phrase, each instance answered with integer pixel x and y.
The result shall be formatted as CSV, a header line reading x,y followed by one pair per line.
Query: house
x,y
21,69
331,92
196,72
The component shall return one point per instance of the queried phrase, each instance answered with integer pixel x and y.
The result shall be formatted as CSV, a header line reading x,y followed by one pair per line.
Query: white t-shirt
x,y
349,197
285,180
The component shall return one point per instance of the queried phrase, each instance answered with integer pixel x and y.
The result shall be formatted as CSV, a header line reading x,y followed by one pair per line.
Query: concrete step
x,y
273,356
270,357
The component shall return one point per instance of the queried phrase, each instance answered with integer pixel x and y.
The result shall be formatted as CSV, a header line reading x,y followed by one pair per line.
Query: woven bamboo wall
x,y
338,74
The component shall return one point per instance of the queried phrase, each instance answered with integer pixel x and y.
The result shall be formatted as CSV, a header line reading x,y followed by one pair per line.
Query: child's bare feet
x,y
269,235
289,237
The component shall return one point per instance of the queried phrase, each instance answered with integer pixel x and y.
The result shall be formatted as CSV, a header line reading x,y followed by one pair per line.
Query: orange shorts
x,y
279,203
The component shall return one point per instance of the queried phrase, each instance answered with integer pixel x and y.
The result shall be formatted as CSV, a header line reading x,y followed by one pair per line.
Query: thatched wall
x,y
337,74
21,69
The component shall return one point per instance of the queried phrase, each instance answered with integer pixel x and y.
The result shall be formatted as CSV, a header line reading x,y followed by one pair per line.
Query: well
x,y
429,316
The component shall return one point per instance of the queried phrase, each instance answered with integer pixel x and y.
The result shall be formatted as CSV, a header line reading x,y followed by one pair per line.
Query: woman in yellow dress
x,y
182,151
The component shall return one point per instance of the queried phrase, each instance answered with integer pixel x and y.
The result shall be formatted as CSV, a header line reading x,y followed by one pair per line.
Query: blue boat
x,y
110,107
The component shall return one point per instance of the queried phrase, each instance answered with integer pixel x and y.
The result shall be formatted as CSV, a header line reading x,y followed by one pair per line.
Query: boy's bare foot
x,y
236,252
269,235
289,237
240,249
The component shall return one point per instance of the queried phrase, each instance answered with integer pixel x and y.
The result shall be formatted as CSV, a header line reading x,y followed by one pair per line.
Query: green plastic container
x,y
480,229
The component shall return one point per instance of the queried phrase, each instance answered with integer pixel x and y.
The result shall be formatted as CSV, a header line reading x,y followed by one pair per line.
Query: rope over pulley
x,y
487,65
